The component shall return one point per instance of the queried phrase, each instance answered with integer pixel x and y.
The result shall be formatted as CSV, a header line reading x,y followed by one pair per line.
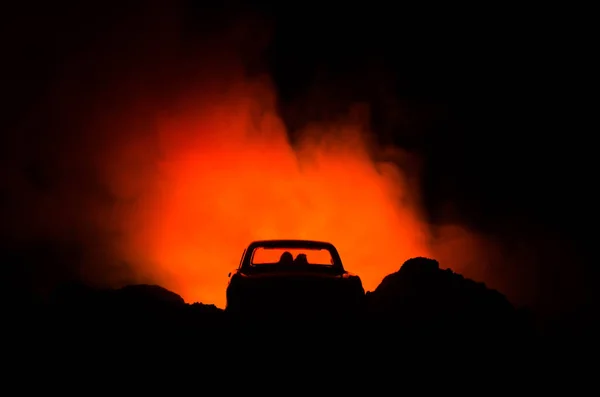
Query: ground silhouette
x,y
420,313
419,299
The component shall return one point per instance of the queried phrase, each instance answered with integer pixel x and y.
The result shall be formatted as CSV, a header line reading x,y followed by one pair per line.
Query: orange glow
x,y
229,176
167,162
273,255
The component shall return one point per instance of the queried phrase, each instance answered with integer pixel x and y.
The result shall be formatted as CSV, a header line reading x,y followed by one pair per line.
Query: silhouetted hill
x,y
419,300
135,314
421,296
416,312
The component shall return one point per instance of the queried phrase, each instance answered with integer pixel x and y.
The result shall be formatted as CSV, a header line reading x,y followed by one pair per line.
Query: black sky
x,y
490,97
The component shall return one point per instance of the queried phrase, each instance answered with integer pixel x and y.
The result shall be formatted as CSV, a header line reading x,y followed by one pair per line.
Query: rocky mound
x,y
422,296
150,309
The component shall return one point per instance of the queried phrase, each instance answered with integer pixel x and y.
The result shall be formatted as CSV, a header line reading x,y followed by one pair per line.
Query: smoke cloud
x,y
156,155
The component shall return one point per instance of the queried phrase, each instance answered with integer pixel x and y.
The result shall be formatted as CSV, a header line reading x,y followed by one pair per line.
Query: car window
x,y
265,256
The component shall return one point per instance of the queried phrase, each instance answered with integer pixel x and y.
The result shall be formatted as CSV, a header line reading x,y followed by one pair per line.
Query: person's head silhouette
x,y
301,259
286,258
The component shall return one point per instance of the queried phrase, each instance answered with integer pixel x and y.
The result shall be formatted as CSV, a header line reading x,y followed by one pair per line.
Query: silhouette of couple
x,y
288,259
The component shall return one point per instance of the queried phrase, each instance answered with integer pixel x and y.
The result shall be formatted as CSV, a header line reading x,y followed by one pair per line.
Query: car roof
x,y
291,243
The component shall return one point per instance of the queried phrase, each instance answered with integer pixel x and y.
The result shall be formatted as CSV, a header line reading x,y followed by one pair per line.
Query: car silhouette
x,y
293,276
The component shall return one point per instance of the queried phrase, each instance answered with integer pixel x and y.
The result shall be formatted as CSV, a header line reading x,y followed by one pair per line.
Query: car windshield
x,y
298,256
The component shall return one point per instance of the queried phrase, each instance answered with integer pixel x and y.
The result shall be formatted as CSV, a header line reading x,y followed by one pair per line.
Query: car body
x,y
314,281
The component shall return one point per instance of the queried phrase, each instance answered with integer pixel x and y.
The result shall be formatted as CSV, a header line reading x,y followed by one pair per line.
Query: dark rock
x,y
144,293
421,296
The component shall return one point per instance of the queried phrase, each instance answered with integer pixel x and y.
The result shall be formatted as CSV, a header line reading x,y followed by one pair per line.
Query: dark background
x,y
494,100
